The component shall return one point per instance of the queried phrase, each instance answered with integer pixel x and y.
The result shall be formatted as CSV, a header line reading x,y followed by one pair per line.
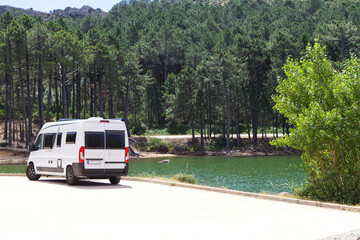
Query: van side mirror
x,y
30,147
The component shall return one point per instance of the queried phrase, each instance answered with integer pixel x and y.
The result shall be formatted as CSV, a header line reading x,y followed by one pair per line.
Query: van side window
x,y
115,140
94,140
37,144
70,137
58,141
49,139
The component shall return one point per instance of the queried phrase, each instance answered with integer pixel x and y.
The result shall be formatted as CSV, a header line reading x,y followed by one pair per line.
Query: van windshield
x,y
115,140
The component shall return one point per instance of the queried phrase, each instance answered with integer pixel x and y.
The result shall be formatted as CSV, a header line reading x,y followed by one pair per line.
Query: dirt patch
x,y
13,156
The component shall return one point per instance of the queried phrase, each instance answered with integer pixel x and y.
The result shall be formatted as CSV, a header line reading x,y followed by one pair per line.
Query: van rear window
x,y
70,137
94,140
115,140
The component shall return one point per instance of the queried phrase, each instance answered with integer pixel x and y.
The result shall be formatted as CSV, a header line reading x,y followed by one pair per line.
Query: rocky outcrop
x,y
55,14
76,12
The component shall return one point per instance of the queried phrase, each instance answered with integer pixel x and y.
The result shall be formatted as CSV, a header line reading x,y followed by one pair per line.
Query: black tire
x,y
114,180
30,172
71,179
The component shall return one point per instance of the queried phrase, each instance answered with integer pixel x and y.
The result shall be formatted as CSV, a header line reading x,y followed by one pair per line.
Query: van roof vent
x,y
121,119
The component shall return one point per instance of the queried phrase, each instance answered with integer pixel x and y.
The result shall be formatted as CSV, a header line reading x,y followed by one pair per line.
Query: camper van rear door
x,y
115,149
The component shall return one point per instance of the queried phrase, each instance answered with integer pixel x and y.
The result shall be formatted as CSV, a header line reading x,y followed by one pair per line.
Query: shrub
x,y
137,128
155,144
180,177
322,105
4,144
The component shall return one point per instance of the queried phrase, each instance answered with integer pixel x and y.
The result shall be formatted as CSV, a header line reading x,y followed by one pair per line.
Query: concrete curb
x,y
247,194
233,192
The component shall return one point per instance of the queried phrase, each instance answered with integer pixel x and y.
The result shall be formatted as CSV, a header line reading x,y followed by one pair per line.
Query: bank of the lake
x,y
251,174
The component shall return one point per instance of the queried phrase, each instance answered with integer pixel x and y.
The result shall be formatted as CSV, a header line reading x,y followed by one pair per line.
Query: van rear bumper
x,y
80,171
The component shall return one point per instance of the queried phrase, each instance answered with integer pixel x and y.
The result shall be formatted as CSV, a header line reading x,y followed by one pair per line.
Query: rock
x,y
55,14
165,161
284,194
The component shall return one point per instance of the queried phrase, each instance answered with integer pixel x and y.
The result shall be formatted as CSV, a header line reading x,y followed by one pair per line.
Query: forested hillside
x,y
180,65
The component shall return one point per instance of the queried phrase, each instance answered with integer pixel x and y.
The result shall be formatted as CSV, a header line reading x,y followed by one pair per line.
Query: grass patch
x,y
181,177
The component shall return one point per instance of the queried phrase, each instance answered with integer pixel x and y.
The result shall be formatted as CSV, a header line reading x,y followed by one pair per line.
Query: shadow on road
x,y
85,184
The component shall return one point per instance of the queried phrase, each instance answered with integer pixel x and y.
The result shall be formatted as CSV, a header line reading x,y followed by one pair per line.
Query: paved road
x,y
50,209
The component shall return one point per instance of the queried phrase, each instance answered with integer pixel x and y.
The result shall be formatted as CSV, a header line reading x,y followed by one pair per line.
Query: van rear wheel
x,y
30,172
71,179
114,180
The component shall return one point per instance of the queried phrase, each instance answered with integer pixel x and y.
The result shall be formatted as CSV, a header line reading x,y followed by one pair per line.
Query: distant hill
x,y
55,14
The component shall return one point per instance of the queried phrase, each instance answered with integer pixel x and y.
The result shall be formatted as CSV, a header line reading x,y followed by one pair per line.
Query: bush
x,y
4,144
137,128
155,144
178,149
180,177
322,105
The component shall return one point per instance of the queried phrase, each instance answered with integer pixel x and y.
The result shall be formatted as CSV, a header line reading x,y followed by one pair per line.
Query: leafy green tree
x,y
323,106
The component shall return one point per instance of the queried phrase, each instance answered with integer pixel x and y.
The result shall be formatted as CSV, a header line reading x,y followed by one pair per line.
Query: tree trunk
x,y
255,122
24,115
49,97
7,100
85,99
73,96
78,94
63,88
111,106
29,98
126,102
11,108
101,100
209,110
57,97
19,117
227,102
40,91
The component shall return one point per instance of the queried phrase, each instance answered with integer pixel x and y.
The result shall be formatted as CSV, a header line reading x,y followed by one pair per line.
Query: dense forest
x,y
205,67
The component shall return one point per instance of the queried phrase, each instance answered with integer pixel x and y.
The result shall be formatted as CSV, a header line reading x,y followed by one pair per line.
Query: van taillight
x,y
126,154
104,121
81,154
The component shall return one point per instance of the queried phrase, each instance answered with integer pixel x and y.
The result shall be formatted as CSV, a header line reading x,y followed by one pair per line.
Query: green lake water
x,y
250,174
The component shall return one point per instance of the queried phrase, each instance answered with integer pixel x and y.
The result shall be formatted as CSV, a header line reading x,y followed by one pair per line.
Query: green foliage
x,y
185,66
4,144
323,106
137,128
157,145
185,178
2,114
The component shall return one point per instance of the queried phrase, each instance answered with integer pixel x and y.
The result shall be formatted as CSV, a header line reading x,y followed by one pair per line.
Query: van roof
x,y
91,119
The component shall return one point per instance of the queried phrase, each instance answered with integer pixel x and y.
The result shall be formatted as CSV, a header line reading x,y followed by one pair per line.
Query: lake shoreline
x,y
233,153
19,156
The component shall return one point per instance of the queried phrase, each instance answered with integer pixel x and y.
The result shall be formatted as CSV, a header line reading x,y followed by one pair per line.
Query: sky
x,y
49,5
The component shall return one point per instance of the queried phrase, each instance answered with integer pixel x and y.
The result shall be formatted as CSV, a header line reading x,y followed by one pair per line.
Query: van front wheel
x,y
71,179
114,180
30,172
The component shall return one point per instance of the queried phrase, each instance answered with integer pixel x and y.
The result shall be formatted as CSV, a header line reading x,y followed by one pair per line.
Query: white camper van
x,y
89,148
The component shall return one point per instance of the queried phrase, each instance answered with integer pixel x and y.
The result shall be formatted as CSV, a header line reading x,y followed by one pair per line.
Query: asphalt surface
x,y
50,209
